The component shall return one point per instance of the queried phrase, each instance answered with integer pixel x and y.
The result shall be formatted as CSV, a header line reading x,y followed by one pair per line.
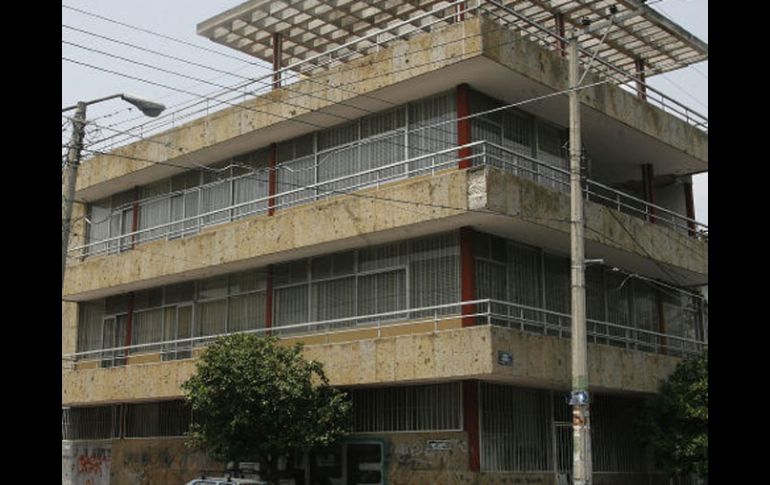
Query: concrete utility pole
x,y
147,107
581,427
71,174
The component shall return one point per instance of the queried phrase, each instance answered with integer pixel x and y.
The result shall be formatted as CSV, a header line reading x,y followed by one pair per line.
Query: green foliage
x,y
675,422
253,400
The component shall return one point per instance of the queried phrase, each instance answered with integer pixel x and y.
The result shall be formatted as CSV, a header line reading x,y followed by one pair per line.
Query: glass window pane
x,y
246,312
291,305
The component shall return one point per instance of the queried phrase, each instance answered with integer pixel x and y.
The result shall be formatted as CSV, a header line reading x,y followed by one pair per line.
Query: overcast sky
x,y
178,19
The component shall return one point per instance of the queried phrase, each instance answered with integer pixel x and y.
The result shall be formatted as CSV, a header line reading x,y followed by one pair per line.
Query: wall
x,y
672,198
86,462
156,461
409,461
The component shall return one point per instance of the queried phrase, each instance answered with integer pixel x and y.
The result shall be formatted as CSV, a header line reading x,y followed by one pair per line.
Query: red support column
x,y
641,86
269,300
271,180
460,11
648,181
471,423
277,58
559,20
690,207
467,275
463,124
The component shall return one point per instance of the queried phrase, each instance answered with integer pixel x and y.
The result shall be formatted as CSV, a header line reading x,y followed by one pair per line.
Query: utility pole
x,y
581,427
71,174
147,107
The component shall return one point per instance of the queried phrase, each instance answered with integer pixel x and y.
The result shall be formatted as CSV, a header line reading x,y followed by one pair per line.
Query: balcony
x,y
240,196
414,345
415,321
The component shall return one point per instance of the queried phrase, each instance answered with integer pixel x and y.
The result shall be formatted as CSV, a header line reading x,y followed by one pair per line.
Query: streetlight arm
x,y
149,108
93,101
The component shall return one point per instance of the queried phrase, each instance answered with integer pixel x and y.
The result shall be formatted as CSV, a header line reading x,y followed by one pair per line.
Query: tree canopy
x,y
675,421
254,400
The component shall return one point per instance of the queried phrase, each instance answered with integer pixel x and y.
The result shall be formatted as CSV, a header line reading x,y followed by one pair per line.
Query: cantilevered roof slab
x,y
321,34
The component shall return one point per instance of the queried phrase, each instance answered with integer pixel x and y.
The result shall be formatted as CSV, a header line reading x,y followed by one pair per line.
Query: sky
x,y
220,66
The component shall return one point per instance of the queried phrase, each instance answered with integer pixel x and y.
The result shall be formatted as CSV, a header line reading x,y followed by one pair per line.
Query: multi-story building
x,y
398,201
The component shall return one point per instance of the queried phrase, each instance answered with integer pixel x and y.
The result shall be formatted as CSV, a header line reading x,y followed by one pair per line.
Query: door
x,y
364,463
351,463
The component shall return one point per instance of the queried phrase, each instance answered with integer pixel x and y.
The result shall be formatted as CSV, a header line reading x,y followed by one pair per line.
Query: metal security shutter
x,y
613,435
423,140
91,423
157,419
91,316
515,429
645,304
525,283
435,407
551,150
557,292
434,272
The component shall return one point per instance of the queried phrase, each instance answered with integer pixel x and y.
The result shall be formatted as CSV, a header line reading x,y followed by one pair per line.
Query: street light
x,y
149,108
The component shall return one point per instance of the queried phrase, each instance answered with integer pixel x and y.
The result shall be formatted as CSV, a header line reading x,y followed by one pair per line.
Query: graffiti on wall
x,y
427,454
86,464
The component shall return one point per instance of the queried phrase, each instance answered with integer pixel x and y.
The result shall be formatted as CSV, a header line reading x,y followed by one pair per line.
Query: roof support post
x,y
641,86
277,58
470,390
460,11
463,124
559,20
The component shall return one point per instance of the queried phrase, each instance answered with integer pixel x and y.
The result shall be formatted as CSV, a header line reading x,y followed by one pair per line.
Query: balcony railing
x,y
477,312
549,39
482,153
558,178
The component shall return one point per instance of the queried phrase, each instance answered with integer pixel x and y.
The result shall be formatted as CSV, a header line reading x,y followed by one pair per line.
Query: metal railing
x,y
653,96
482,153
558,178
478,312
411,167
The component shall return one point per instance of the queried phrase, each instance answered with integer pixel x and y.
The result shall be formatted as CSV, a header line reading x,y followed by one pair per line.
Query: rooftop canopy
x,y
319,34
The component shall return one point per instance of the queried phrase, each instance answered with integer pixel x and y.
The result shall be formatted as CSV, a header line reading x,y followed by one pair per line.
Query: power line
x,y
500,27
459,209
168,71
183,42
187,61
147,31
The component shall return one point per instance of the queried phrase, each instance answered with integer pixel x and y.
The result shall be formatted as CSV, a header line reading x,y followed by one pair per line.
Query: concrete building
x,y
376,205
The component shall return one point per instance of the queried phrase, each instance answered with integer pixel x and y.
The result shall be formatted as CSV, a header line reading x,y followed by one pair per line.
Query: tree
x,y
675,421
254,400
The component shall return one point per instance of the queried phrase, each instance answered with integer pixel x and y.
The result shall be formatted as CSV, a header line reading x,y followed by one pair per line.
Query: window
x,y
432,407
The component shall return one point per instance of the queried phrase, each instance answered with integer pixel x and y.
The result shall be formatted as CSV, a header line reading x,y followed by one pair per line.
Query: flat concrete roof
x,y
355,28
